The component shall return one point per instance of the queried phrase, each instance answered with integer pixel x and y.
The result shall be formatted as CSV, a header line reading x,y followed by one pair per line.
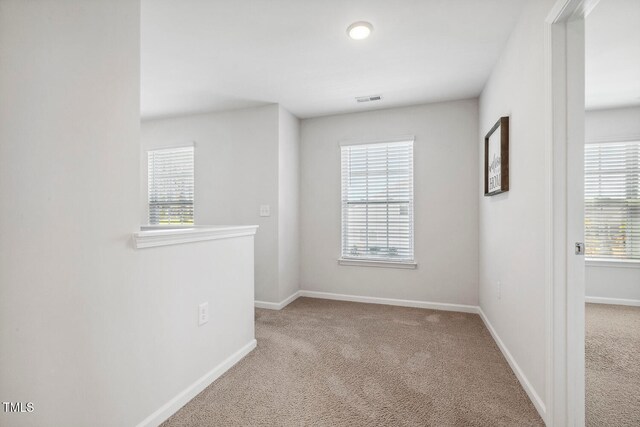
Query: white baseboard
x,y
526,385
172,406
613,301
267,305
391,301
277,305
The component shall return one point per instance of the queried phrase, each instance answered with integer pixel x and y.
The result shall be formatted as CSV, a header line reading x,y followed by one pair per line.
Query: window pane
x,y
612,200
171,185
377,201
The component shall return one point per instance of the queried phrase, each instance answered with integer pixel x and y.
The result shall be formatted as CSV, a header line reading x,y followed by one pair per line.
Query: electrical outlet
x,y
203,313
499,289
265,210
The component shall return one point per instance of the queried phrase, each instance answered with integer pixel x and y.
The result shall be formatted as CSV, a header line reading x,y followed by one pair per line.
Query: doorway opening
x,y
612,213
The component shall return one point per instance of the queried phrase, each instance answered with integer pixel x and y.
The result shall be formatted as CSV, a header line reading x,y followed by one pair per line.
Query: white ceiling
x,y
201,56
612,59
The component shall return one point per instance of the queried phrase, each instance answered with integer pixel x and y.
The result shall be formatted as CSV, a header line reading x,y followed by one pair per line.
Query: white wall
x,y
612,123
92,331
604,280
243,159
236,171
609,281
446,203
288,204
512,225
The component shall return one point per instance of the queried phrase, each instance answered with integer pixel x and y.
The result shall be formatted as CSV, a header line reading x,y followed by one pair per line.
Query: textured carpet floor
x,y
331,363
613,365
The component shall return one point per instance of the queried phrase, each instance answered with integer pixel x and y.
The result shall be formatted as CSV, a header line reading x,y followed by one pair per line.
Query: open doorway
x,y
612,214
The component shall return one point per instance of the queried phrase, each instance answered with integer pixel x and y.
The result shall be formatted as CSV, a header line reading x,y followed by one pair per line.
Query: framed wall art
x,y
496,158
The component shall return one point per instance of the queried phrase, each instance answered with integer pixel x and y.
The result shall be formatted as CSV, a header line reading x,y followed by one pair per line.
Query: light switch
x,y
265,210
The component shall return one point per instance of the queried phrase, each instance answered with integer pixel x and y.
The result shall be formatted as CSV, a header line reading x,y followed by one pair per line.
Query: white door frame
x,y
564,271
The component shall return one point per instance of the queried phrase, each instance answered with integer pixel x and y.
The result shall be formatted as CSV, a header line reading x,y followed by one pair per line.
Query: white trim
x,y
162,236
588,7
612,301
171,147
564,326
613,140
172,406
377,263
550,353
267,305
563,10
277,305
363,141
391,301
612,263
150,227
560,11
524,381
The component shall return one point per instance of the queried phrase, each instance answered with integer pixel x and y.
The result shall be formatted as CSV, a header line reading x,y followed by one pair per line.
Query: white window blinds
x,y
171,185
612,200
377,201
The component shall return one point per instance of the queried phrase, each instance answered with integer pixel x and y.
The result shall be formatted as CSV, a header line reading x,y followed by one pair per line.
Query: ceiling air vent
x,y
368,98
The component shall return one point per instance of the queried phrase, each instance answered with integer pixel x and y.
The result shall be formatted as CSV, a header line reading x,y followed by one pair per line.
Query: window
x,y
377,201
612,200
171,185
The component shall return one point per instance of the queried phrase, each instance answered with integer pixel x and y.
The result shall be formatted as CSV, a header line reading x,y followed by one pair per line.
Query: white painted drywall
x,y
288,204
512,227
204,56
92,331
604,280
612,55
243,159
608,281
236,171
446,203
164,347
611,124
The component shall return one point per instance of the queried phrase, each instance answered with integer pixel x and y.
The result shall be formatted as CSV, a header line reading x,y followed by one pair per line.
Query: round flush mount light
x,y
359,30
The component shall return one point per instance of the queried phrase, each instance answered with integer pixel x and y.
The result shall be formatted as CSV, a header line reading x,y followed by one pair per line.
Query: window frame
x,y
386,262
603,261
192,146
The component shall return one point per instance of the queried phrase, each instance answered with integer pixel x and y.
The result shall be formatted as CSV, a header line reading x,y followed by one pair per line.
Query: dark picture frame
x,y
496,158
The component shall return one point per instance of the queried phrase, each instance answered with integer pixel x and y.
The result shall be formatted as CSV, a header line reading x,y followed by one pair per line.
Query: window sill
x,y
378,263
618,263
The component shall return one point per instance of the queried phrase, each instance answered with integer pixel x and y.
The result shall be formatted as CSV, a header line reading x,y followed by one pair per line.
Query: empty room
x,y
306,213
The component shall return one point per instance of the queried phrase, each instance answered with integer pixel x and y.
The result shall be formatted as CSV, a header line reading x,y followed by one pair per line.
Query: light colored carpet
x,y
332,363
613,365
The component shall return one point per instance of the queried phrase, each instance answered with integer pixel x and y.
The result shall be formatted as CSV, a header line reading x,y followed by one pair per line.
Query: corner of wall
x,y
288,203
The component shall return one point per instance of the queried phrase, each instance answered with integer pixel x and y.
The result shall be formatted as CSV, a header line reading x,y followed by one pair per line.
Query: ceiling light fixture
x,y
359,30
